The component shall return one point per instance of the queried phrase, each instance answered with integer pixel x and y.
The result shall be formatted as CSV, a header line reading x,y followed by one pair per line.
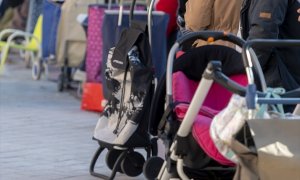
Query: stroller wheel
x,y
133,163
36,70
111,158
152,167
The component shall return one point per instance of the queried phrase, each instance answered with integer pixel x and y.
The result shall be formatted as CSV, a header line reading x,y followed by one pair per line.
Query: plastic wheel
x,y
133,163
152,167
36,70
111,158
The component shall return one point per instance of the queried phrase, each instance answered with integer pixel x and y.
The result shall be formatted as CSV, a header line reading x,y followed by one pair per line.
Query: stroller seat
x,y
217,99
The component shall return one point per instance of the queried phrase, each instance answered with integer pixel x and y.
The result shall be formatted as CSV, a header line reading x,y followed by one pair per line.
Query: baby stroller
x,y
182,81
194,128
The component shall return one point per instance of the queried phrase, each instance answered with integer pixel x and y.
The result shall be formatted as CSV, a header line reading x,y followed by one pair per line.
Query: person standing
x,y
277,19
216,15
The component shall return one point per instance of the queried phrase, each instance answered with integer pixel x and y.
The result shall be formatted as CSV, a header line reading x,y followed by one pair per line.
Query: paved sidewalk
x,y
43,134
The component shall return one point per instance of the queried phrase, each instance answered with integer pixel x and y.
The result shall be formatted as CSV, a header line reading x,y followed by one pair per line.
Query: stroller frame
x,y
213,73
150,149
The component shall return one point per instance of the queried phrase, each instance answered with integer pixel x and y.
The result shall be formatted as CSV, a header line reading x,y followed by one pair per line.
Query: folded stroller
x,y
123,126
196,147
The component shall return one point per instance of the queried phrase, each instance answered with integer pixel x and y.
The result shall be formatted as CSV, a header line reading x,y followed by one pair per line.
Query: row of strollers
x,y
208,115
202,113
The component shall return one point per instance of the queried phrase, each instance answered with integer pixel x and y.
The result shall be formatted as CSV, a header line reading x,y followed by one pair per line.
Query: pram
x,y
187,72
195,123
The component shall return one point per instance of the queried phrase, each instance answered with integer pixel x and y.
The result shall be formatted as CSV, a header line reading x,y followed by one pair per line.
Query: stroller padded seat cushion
x,y
184,90
201,134
216,100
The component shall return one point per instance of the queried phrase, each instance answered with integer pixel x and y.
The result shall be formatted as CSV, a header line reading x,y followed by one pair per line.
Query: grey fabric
x,y
35,9
276,155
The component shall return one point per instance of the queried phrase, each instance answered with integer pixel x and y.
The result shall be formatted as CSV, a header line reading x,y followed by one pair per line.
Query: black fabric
x,y
245,26
13,3
157,105
194,61
127,40
181,9
7,4
3,8
277,19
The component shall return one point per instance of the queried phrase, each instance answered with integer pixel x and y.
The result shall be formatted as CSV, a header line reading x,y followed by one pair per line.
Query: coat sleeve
x,y
266,17
198,14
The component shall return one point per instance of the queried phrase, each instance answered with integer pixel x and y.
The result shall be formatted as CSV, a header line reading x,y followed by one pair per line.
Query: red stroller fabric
x,y
170,7
217,99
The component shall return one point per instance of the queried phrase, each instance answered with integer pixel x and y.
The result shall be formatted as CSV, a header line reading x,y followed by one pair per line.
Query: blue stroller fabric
x,y
35,9
51,16
111,32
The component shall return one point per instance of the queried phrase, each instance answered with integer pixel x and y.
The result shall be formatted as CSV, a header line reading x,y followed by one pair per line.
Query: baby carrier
x,y
123,126
200,156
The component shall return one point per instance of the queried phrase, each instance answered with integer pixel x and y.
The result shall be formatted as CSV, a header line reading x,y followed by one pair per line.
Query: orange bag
x,y
92,97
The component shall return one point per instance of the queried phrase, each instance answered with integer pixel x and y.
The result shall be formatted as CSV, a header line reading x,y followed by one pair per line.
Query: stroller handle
x,y
290,97
266,43
211,36
248,59
149,16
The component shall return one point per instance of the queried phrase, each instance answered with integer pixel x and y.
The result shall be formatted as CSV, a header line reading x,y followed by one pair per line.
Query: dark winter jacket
x,y
7,4
277,19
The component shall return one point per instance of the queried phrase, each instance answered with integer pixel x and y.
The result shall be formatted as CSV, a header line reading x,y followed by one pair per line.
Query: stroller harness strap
x,y
272,93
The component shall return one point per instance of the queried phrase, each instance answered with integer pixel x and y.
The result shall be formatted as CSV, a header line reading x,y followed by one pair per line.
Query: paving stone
x,y
43,134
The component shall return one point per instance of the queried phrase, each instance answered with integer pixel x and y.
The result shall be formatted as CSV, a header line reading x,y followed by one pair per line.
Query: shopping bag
x,y
94,42
276,155
92,97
